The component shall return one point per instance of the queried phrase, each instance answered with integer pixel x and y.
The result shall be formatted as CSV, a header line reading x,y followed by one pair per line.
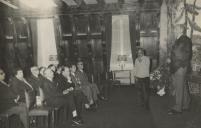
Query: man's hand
x,y
168,60
65,91
17,99
71,89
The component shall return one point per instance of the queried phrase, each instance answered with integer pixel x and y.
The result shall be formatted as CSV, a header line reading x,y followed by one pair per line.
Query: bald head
x,y
35,71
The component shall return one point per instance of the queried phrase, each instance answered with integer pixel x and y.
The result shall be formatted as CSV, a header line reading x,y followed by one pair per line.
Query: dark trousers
x,y
80,99
67,102
180,90
22,111
144,90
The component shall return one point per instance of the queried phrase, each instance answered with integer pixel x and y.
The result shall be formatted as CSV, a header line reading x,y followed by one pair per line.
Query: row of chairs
x,y
49,114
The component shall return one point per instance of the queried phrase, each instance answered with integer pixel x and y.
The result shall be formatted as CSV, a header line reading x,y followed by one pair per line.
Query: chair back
x,y
42,96
30,99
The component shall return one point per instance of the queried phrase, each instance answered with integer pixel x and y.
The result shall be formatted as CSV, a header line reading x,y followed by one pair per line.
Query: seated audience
x,y
34,79
9,101
19,85
52,67
54,98
65,83
85,89
41,73
82,77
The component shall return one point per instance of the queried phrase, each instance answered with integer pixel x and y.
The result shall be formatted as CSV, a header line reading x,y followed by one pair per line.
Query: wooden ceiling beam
x,y
9,4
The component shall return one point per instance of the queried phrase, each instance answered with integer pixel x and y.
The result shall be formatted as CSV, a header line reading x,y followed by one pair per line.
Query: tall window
x,y
46,43
121,56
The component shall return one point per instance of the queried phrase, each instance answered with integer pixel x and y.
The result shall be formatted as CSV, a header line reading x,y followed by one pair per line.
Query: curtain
x,y
46,50
58,38
133,35
33,36
108,37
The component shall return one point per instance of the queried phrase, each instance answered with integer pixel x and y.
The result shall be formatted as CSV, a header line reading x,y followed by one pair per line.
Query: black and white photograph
x,y
100,63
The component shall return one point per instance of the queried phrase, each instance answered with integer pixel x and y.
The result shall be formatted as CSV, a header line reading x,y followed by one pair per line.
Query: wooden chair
x,y
39,111
4,117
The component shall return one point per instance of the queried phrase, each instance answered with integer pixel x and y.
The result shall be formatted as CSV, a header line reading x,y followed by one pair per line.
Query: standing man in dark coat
x,y
179,67
9,101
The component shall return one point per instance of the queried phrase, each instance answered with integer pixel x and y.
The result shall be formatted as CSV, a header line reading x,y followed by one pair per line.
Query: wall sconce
x,y
121,59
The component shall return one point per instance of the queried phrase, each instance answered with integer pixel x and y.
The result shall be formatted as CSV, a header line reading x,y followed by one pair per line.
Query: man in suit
x,y
34,79
79,97
9,101
181,55
85,89
83,79
55,98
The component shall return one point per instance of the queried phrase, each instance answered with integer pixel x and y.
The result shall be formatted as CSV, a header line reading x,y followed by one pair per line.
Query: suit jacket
x,y
75,82
62,82
19,87
6,98
82,76
181,54
36,83
50,90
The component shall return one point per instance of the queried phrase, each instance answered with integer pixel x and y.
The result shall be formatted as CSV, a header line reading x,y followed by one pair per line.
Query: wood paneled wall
x,y
16,47
82,38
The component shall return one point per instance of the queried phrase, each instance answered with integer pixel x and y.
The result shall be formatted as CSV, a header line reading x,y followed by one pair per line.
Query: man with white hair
x,y
34,79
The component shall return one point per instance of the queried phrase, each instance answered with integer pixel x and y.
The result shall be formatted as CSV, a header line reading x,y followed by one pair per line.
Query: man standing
x,y
179,67
142,66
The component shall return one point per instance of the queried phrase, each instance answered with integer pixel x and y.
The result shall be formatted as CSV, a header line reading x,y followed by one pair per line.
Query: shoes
x,y
91,109
95,105
76,122
173,112
101,97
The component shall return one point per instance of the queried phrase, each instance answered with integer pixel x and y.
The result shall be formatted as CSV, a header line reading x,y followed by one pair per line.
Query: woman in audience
x,y
9,101
19,85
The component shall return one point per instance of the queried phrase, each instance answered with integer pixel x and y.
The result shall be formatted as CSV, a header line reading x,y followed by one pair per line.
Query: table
x,y
124,76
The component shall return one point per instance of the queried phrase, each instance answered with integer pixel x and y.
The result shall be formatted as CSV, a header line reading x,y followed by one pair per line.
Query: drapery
x,y
163,32
108,37
33,35
58,39
46,50
133,34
